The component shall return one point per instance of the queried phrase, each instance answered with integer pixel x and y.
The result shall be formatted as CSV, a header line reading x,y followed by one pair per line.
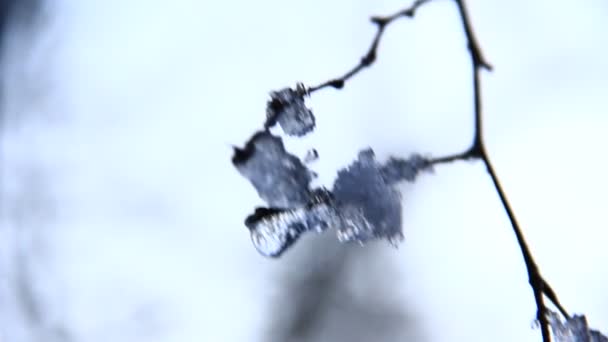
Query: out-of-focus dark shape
x,y
325,306
13,11
574,329
287,107
279,177
7,8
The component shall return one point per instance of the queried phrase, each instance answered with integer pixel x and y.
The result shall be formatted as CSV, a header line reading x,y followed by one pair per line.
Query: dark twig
x,y
539,285
467,155
370,57
534,278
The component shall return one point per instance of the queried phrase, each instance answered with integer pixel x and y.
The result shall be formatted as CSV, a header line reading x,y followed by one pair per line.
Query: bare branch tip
x,y
380,21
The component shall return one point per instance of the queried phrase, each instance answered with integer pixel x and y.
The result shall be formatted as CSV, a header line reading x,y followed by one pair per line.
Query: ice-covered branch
x,y
364,204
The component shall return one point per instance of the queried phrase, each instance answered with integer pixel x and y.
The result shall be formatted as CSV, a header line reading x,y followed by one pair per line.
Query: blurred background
x,y
121,216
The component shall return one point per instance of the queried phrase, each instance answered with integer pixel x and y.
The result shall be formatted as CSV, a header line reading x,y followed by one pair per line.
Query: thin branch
x,y
476,54
370,57
477,150
537,282
534,278
467,155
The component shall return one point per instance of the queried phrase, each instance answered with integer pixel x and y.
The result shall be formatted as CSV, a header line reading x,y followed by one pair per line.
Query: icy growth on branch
x,y
363,204
279,177
369,206
397,169
275,230
287,107
574,329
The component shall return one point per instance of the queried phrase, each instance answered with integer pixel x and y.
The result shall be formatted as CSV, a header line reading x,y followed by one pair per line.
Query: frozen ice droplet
x,y
267,244
274,230
399,169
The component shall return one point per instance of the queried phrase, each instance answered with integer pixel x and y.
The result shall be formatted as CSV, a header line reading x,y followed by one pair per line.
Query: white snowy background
x,y
122,216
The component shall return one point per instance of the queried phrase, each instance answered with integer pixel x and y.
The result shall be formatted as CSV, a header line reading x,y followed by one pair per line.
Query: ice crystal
x,y
287,107
397,169
370,207
574,329
279,177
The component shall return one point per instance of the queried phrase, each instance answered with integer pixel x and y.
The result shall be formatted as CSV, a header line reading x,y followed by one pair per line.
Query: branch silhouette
x,y
370,57
477,150
284,182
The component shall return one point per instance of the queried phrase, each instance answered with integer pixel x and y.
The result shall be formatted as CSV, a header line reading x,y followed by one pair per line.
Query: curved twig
x,y
477,150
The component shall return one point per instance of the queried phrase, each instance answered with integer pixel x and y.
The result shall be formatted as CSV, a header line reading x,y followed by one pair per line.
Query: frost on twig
x,y
287,107
371,208
363,204
574,329
369,203
397,169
